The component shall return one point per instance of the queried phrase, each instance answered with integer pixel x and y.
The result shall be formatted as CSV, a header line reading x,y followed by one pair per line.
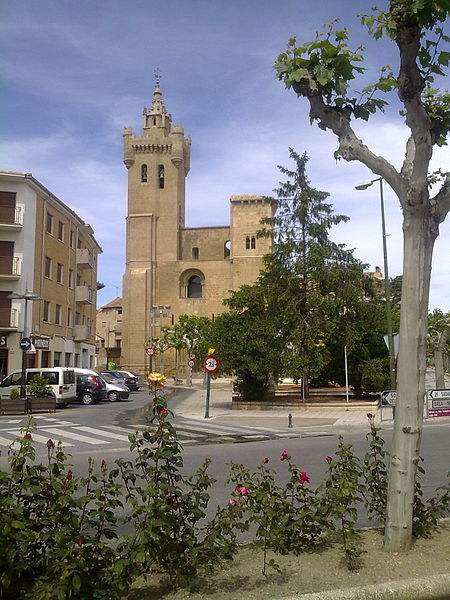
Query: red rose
x,y
50,444
69,475
27,436
328,459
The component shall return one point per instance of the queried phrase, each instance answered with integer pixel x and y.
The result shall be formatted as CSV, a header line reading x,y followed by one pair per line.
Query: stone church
x,y
172,269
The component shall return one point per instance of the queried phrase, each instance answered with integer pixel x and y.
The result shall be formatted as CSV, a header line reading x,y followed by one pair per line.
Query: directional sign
x,y
440,394
389,397
211,363
150,351
25,344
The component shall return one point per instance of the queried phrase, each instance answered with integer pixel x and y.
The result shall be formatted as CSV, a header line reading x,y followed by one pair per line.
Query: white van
x,y
61,380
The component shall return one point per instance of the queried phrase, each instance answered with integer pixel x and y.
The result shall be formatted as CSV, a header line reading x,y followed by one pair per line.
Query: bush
x,y
375,375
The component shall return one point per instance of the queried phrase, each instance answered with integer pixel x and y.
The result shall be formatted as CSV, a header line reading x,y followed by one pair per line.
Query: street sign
x,y
150,351
191,363
389,397
191,356
440,394
439,403
211,363
25,344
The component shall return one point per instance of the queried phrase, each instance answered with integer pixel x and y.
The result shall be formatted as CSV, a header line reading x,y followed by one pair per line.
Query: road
x,y
101,431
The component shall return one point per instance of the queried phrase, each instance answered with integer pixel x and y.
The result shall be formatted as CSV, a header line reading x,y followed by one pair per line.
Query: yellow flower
x,y
156,379
211,351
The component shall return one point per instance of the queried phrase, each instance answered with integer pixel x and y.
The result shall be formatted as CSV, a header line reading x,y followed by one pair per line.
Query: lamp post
x,y
27,296
387,286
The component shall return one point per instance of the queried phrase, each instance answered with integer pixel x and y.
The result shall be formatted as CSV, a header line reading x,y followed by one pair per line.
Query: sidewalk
x,y
192,406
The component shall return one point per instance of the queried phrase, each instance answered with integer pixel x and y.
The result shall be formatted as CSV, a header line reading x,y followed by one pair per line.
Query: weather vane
x,y
157,74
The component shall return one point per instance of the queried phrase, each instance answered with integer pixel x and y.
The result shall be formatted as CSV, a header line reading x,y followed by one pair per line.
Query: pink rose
x,y
243,491
370,416
328,459
27,436
303,478
163,411
284,455
50,444
232,502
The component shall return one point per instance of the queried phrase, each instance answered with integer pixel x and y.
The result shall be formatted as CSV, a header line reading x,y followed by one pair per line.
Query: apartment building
x,y
46,249
109,333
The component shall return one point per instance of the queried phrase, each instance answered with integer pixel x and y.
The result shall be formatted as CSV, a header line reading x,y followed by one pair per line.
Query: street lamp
x,y
27,296
387,287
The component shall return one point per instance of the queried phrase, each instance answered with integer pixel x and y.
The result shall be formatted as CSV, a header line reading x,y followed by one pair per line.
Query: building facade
x,y
171,269
109,334
45,248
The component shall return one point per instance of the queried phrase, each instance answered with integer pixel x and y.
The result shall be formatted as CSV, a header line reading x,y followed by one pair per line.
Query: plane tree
x,y
321,71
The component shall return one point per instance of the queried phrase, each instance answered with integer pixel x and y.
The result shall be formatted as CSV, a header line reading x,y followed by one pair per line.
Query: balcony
x,y
10,267
81,333
9,318
85,259
11,218
83,294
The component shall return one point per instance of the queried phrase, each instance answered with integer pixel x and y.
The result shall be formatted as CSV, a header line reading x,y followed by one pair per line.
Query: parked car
x,y
115,389
91,388
60,379
131,375
130,382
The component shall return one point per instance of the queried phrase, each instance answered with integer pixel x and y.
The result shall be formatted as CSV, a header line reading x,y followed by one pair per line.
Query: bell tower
x,y
157,161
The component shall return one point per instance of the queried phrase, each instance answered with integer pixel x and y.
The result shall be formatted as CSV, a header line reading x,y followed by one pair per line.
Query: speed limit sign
x,y
150,351
211,364
191,363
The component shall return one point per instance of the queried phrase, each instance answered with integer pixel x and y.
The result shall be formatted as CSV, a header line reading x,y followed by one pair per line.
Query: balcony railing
x,y
85,258
81,333
12,217
83,294
9,318
10,266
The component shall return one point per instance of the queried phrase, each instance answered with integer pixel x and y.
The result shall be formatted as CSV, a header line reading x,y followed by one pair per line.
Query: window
x,y
161,176
59,273
71,278
69,317
67,359
78,279
247,243
144,173
48,267
61,231
57,359
72,238
58,313
227,249
194,287
77,318
49,223
46,315
253,242
194,253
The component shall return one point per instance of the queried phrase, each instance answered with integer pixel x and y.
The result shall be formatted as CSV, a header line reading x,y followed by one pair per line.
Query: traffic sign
x,y
191,363
389,397
150,351
25,344
211,363
191,356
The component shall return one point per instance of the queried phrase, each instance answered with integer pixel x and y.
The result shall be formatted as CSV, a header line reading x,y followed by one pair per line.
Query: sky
x,y
73,74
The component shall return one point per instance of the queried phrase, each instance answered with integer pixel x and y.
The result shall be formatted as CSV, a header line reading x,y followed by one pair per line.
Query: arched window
x,y
253,243
194,287
227,249
161,176
247,243
144,173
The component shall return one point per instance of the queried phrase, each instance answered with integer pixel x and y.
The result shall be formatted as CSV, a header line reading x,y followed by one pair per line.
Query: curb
x,y
435,587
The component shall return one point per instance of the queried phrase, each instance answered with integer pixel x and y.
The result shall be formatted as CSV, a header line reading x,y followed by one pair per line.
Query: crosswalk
x,y
189,431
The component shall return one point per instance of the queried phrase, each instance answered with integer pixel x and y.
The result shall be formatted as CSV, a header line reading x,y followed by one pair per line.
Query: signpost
x,y
439,403
210,364
388,397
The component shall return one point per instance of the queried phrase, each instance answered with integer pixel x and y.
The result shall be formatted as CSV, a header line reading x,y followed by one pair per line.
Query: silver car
x,y
115,390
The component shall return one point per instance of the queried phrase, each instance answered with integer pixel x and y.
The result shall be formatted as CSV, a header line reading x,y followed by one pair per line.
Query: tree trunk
x,y
418,248
439,360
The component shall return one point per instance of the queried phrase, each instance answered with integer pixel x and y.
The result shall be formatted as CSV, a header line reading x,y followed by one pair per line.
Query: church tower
x,y
157,161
